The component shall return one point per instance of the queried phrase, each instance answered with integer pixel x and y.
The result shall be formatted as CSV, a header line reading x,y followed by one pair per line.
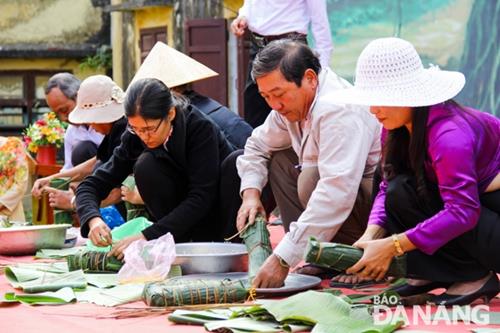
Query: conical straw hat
x,y
172,67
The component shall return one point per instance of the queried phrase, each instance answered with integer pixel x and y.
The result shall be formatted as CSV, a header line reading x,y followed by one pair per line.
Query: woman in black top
x,y
179,159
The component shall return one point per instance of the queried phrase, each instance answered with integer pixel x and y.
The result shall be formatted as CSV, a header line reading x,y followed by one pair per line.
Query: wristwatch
x,y
282,262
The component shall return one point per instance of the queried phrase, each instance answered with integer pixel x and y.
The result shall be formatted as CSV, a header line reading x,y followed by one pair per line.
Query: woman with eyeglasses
x,y
180,160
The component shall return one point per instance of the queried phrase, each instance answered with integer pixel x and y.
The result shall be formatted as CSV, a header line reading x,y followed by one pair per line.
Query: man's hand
x,y
121,245
271,275
250,207
99,234
239,25
39,185
60,199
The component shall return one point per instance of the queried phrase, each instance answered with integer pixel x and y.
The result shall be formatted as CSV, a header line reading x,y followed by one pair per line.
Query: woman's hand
x,y
131,195
250,207
120,246
99,234
377,257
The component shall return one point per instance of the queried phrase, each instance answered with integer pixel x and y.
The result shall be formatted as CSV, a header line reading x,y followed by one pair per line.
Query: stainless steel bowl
x,y
28,239
198,258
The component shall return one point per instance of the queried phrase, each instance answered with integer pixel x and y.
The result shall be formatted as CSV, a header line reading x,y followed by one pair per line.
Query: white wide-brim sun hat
x,y
389,72
99,101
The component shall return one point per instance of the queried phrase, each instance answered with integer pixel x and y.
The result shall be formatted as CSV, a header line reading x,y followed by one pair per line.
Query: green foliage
x,y
103,59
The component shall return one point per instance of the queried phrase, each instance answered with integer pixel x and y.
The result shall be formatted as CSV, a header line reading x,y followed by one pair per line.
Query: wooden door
x,y
206,41
149,37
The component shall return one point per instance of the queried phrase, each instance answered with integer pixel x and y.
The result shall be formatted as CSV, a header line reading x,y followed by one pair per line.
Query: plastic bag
x,y
148,261
111,216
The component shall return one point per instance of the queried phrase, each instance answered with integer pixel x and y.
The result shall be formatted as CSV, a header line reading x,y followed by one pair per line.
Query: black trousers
x,y
468,257
83,152
163,187
256,108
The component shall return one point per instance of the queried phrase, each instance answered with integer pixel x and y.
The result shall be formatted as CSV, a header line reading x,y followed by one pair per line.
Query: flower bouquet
x,y
47,131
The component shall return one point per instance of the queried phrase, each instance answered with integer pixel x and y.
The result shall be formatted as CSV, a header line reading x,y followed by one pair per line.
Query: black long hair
x,y
405,154
151,99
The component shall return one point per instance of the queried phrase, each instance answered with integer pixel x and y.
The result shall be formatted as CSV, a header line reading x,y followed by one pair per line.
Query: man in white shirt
x,y
319,157
80,141
270,20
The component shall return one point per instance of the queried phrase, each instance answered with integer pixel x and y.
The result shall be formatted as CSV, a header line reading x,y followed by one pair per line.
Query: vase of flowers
x,y
43,138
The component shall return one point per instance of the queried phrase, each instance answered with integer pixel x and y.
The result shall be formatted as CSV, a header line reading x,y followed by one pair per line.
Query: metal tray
x,y
28,239
294,282
211,258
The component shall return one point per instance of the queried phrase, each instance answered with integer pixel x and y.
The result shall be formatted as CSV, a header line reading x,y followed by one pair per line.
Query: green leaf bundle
x,y
97,262
340,257
172,293
258,244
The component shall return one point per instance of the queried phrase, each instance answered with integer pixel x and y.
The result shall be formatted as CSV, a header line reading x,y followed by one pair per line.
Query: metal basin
x,y
198,258
27,240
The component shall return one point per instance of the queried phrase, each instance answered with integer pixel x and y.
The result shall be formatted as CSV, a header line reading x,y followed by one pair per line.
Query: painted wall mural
x,y
453,34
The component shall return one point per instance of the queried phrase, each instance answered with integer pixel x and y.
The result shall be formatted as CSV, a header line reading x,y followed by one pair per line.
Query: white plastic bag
x,y
147,261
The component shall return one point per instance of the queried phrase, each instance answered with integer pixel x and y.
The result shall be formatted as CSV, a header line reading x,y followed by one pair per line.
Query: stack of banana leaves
x,y
180,293
340,257
319,312
258,244
93,262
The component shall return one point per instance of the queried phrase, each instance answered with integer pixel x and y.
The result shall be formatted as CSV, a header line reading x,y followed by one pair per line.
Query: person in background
x,y
269,20
177,156
319,157
178,71
80,141
439,201
13,177
100,107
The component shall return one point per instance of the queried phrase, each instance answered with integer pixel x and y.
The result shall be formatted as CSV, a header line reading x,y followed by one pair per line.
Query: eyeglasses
x,y
145,131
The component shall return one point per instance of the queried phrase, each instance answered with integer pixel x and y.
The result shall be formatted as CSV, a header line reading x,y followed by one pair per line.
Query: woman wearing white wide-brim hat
x,y
439,200
100,106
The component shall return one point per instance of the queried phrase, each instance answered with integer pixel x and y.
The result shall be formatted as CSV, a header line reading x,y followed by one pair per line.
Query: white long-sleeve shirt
x,y
343,141
74,135
277,17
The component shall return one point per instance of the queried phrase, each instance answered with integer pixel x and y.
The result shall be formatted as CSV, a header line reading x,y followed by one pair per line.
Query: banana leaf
x,y
62,296
340,257
178,293
189,317
58,253
240,325
19,278
348,325
133,210
258,244
117,295
325,311
102,280
98,262
308,307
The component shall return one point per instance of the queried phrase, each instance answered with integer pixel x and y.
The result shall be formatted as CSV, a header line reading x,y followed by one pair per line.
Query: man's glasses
x,y
145,131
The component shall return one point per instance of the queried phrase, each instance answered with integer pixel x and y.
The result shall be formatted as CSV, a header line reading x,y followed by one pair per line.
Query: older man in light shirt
x,y
319,157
